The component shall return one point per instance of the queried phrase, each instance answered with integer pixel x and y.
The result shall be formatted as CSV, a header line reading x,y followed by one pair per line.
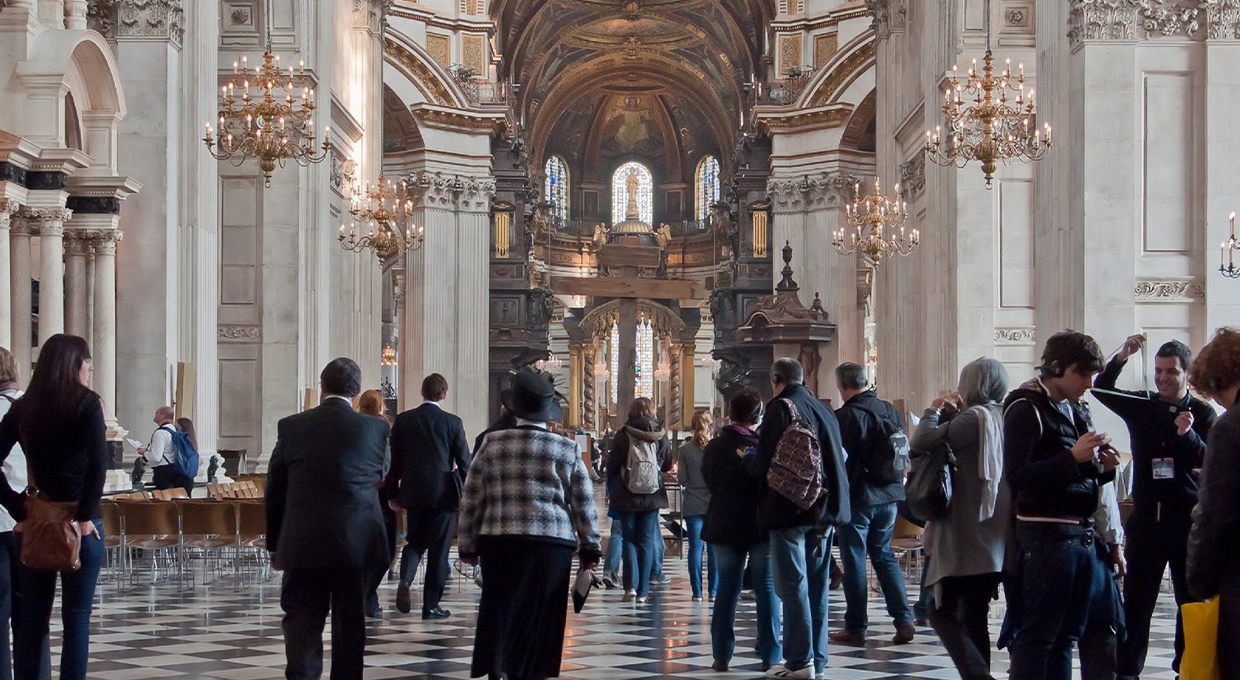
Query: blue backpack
x,y
185,460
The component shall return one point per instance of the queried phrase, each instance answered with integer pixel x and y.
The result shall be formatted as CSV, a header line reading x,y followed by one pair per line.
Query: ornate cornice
x,y
423,77
235,333
1169,290
811,193
453,119
138,19
1132,20
1017,335
844,73
819,119
889,15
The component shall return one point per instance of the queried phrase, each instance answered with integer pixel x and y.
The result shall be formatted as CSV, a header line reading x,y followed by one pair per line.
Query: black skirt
x,y
524,607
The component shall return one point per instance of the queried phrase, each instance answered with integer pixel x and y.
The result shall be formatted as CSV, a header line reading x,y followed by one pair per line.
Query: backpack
x,y
796,467
185,456
642,471
886,464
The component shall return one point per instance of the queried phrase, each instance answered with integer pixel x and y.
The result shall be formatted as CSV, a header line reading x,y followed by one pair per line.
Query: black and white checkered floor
x,y
217,632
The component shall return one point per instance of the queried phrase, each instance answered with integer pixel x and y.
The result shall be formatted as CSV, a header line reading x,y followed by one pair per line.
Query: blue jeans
x,y
656,558
870,533
640,529
694,525
799,557
731,570
615,548
38,590
1065,593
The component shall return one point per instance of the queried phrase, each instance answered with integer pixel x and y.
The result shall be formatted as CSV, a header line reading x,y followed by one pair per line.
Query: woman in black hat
x,y
528,504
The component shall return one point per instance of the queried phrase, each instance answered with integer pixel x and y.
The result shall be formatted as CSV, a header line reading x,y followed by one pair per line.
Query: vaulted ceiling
x,y
576,56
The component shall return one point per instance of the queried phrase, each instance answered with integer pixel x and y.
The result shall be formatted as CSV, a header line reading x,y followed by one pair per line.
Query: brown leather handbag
x,y
50,537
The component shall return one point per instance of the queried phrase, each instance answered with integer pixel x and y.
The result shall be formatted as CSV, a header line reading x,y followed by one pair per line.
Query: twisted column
x,y
676,409
588,399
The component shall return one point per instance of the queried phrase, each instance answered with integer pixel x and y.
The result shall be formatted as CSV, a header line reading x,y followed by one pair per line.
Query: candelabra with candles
x,y
551,364
389,357
267,114
663,372
1227,252
878,226
601,373
993,121
388,210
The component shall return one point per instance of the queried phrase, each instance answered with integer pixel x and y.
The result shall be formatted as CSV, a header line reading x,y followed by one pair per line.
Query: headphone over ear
x,y
1051,370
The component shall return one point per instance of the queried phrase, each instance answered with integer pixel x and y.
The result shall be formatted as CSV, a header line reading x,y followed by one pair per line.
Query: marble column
x,y
589,402
51,224
104,349
7,207
77,291
19,282
627,375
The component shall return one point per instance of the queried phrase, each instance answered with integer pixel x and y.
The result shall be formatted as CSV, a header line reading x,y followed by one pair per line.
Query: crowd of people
x,y
1033,512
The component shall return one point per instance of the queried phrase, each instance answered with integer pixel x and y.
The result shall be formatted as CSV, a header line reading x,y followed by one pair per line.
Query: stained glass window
x,y
614,339
644,386
707,185
556,188
620,193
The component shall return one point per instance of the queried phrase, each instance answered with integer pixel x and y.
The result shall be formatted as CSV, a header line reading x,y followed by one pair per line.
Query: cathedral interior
x,y
641,198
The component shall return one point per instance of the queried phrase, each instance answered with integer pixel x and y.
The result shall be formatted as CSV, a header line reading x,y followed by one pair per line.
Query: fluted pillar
x,y
7,207
589,355
77,290
19,282
104,349
51,225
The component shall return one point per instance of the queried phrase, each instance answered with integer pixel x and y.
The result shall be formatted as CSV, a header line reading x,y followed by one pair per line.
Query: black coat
x,y
732,516
426,443
863,440
777,512
322,504
1151,424
621,498
1038,438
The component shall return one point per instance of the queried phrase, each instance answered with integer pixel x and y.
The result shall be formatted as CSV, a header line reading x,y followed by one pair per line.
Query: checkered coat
x,y
528,482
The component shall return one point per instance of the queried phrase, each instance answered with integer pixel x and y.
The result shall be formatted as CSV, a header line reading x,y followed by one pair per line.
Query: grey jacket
x,y
689,474
960,545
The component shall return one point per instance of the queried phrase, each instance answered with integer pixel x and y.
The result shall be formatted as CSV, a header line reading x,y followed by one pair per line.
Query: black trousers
x,y
1155,539
166,477
961,621
306,597
430,532
380,570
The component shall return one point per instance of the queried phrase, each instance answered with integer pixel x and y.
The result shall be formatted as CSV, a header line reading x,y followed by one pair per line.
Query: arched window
x,y
644,185
707,185
556,190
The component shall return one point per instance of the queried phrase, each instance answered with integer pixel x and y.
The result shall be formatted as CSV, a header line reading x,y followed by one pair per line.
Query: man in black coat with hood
x,y
801,539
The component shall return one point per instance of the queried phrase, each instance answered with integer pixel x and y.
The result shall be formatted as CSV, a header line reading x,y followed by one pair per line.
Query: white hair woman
x,y
966,548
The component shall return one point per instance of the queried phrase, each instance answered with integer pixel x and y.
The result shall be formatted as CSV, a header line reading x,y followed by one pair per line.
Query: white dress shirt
x,y
15,465
159,450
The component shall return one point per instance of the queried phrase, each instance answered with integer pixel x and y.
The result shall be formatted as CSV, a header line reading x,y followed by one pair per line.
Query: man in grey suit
x,y
324,525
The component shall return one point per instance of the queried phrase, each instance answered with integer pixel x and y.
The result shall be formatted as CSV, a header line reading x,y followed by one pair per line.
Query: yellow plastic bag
x,y
1200,660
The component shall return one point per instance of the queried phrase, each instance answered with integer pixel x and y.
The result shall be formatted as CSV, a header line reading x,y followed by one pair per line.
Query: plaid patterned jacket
x,y
528,482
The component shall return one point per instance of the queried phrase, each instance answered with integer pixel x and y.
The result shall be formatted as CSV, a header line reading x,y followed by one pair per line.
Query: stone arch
x,y
662,318
416,77
82,64
831,83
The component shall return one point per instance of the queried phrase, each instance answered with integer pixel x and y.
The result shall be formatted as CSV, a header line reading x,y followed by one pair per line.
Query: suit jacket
x,y
322,504
426,442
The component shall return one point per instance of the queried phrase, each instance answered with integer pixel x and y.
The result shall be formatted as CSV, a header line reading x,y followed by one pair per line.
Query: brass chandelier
x,y
995,122
270,119
387,209
877,226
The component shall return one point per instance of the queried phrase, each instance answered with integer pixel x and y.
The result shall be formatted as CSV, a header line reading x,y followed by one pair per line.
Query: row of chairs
x,y
236,490
228,536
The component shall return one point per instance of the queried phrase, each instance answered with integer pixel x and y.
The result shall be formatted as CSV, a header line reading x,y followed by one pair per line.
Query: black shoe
x,y
402,598
436,613
373,610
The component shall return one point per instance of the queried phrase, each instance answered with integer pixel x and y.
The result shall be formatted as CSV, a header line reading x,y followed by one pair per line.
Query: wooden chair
x,y
252,534
906,543
153,527
113,537
207,528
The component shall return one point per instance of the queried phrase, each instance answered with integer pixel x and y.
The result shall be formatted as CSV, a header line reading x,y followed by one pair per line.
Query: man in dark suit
x,y
427,443
324,525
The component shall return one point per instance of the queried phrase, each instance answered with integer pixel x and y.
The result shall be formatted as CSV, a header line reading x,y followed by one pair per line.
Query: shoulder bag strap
x,y
796,415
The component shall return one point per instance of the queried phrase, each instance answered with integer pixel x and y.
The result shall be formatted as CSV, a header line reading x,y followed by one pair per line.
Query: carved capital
x,y
46,221
371,14
104,241
889,15
8,207
138,19
1129,20
823,192
1222,19
476,194
77,243
453,192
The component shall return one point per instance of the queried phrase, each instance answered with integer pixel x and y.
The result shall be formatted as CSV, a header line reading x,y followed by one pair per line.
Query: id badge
x,y
1164,468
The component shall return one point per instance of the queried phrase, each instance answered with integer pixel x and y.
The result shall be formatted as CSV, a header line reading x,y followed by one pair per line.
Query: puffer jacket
x,y
622,500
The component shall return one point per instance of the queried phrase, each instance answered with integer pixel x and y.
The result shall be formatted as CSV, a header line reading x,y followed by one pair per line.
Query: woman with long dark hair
x,y
371,403
59,423
637,508
187,426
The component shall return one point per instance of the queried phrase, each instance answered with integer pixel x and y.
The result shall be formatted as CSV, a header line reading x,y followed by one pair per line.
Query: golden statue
x,y
663,235
631,184
600,236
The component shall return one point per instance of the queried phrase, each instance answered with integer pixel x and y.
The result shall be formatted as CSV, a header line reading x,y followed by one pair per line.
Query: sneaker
x,y
854,638
611,580
629,595
720,666
697,598
904,634
660,580
643,599
782,671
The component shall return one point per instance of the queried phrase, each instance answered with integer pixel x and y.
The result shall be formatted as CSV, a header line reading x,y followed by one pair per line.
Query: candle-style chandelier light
x,y
267,114
551,364
990,118
1227,257
663,371
386,212
389,357
877,226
